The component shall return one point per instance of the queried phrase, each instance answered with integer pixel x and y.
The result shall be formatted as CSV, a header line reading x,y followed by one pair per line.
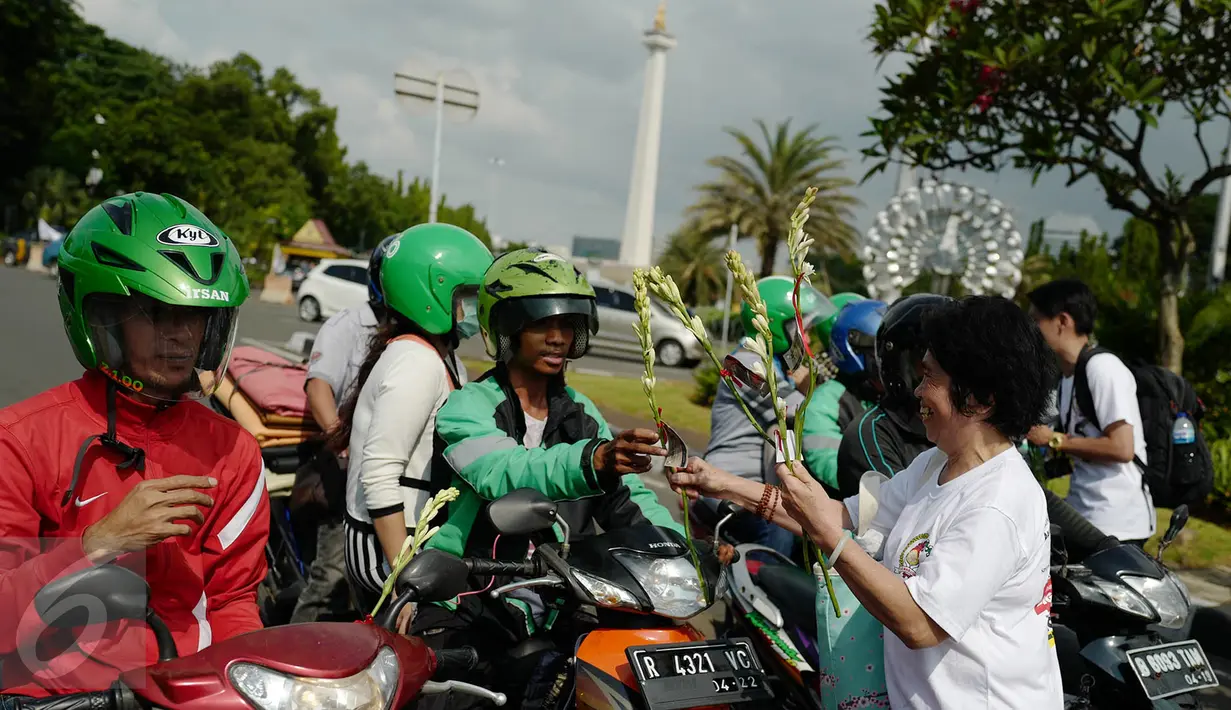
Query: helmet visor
x,y
514,315
164,351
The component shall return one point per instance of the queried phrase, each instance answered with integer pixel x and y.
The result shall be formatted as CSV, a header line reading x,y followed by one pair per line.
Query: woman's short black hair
x,y
994,355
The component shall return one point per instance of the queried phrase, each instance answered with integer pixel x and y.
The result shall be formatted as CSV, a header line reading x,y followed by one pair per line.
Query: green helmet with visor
x,y
149,292
528,285
430,275
778,294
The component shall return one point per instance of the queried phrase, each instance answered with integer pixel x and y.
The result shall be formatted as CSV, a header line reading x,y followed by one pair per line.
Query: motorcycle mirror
x,y
522,512
77,599
432,576
1179,518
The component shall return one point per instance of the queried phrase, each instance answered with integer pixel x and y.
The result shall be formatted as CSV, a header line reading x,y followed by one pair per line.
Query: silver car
x,y
675,345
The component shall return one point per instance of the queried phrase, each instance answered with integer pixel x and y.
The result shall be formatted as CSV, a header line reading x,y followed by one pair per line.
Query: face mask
x,y
468,326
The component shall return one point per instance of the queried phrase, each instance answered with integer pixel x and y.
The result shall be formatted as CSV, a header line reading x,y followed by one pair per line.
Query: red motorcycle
x,y
323,665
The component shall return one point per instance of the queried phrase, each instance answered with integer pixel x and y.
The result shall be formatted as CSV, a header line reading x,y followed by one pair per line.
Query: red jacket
x,y
203,584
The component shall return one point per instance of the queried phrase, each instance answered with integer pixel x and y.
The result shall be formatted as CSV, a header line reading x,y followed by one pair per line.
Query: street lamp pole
x,y
419,88
1222,225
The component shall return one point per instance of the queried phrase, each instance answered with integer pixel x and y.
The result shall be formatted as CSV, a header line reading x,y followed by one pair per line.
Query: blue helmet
x,y
852,344
376,294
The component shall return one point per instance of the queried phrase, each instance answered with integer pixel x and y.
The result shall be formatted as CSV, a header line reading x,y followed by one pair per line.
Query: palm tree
x,y
759,189
692,260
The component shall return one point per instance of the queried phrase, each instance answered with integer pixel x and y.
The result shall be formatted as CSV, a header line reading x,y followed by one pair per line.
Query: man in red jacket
x,y
121,466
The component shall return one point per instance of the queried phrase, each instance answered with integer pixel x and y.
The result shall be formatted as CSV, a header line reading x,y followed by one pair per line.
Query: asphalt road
x,y
37,356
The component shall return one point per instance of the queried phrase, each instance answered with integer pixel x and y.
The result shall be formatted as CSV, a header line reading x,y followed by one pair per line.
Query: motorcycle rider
x,y
834,404
889,435
119,466
734,443
338,352
430,276
520,425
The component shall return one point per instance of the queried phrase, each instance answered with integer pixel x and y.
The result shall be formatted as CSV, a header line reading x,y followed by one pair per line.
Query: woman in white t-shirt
x,y
430,276
963,583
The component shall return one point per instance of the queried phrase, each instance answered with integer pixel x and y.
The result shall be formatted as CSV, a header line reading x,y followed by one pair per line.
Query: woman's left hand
x,y
805,500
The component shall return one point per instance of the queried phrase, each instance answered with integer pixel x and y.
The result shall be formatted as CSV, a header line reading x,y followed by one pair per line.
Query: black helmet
x,y
900,346
376,294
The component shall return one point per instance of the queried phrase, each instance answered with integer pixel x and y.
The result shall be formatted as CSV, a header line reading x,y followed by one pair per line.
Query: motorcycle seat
x,y
790,588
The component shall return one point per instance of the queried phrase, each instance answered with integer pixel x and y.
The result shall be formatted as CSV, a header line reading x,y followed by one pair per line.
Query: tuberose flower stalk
x,y
664,287
761,345
798,246
415,542
641,301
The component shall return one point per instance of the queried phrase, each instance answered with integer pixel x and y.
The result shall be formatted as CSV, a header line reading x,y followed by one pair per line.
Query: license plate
x,y
688,675
1171,669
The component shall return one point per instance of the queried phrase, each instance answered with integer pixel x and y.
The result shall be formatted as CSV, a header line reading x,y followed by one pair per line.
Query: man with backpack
x,y
1101,430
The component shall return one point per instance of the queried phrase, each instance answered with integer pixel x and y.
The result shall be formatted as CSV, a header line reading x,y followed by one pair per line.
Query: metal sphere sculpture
x,y
954,232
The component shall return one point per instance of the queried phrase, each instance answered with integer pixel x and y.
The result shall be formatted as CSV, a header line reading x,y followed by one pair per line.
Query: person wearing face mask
x,y
430,276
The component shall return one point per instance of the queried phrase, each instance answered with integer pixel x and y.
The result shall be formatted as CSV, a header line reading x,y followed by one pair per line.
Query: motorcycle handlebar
x,y
455,660
96,700
499,568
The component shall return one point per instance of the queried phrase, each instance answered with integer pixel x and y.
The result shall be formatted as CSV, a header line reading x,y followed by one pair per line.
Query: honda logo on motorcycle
x,y
187,235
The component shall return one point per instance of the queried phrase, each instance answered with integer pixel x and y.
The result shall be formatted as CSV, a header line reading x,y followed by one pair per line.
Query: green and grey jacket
x,y
479,434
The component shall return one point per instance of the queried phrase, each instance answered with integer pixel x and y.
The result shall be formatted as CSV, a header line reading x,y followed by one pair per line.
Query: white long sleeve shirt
x,y
392,433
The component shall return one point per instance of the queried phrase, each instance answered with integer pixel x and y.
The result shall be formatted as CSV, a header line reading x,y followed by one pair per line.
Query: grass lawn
x,y
1201,545
624,395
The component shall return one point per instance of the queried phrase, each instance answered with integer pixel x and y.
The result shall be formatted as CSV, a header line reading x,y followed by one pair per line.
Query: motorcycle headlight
x,y
370,689
670,582
605,593
1124,598
1167,596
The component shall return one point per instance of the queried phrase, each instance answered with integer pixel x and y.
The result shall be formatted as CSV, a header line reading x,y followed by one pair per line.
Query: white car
x,y
331,286
674,344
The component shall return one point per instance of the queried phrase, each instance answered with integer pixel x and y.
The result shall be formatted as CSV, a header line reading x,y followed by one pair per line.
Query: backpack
x,y
1174,476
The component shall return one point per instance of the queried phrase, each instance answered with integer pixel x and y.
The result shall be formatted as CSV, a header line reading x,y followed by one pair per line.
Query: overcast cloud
x,y
561,83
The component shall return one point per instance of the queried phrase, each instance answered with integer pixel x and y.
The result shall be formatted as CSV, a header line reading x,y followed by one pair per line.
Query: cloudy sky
x,y
561,83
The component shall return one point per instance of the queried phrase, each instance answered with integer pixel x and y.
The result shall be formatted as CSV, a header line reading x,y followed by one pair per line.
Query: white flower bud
x,y
758,368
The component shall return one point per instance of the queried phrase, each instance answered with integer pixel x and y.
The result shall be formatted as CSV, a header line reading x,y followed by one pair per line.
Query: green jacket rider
x,y
521,426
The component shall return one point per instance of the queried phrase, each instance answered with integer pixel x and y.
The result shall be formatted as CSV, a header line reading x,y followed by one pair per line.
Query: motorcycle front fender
x,y
604,679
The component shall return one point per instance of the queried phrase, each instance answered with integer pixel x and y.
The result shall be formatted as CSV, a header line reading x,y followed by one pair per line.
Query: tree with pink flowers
x,y
1070,85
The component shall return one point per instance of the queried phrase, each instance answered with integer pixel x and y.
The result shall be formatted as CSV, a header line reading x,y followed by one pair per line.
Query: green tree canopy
x,y
256,151
1076,86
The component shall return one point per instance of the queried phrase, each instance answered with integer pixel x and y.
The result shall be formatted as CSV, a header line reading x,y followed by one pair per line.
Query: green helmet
x,y
528,285
135,255
429,270
825,327
777,292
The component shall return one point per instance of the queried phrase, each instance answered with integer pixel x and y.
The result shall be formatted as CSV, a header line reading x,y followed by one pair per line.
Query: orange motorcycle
x,y
626,596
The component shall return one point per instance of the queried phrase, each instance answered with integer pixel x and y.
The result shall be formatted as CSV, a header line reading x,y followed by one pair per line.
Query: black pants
x,y
509,662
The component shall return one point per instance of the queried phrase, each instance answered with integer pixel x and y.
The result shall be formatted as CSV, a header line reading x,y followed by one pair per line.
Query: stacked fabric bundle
x,y
264,392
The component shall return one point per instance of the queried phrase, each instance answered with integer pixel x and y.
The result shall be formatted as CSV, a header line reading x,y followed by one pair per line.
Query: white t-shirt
x,y
975,556
394,428
1109,494
340,348
534,432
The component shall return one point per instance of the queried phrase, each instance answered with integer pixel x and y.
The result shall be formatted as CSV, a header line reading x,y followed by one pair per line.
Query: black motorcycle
x,y
1119,618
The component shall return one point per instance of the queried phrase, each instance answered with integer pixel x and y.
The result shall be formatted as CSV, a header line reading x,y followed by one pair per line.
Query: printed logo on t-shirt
x,y
913,553
1044,605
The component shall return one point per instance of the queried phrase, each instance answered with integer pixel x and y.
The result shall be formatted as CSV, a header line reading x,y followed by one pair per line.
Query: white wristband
x,y
837,550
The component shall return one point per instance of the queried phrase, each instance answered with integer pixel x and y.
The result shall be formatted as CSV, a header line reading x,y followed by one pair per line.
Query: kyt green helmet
x,y
824,327
528,285
136,255
431,269
777,292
